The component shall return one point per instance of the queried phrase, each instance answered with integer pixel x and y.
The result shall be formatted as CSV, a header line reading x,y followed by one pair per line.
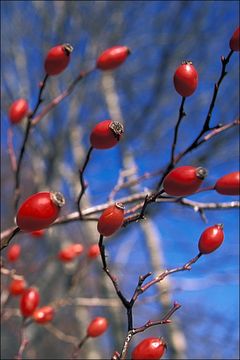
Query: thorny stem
x,y
160,277
83,185
26,136
206,125
140,288
131,333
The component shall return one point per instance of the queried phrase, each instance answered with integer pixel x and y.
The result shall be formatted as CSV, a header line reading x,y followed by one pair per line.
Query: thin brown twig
x,y
160,277
106,269
180,117
61,335
11,273
206,125
148,324
23,340
79,346
61,96
26,136
82,182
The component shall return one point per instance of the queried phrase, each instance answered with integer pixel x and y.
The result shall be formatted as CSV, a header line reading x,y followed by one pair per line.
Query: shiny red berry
x,y
39,211
18,110
66,254
186,79
57,59
43,315
93,251
14,252
229,184
106,134
235,40
184,180
29,301
211,239
77,248
150,348
97,327
111,219
38,233
113,57
17,287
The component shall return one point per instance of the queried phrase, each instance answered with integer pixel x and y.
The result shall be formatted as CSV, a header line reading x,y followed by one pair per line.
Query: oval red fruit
x,y
111,219
184,180
70,252
97,327
66,254
186,79
93,251
235,40
106,134
150,348
38,233
17,286
18,110
14,252
57,59
29,301
211,239
39,211
43,315
229,184
112,57
77,248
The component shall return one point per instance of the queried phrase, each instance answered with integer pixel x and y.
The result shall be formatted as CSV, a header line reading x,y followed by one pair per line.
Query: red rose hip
x,y
17,287
97,327
43,315
14,252
93,251
150,348
111,219
29,301
66,254
112,57
18,110
57,59
184,180
77,248
229,184
235,40
38,233
185,79
211,239
39,211
106,134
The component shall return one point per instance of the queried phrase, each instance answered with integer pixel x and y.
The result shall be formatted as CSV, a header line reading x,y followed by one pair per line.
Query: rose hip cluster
x,y
40,210
29,302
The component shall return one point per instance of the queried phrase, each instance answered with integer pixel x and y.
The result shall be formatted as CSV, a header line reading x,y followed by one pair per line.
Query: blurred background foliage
x,y
160,34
